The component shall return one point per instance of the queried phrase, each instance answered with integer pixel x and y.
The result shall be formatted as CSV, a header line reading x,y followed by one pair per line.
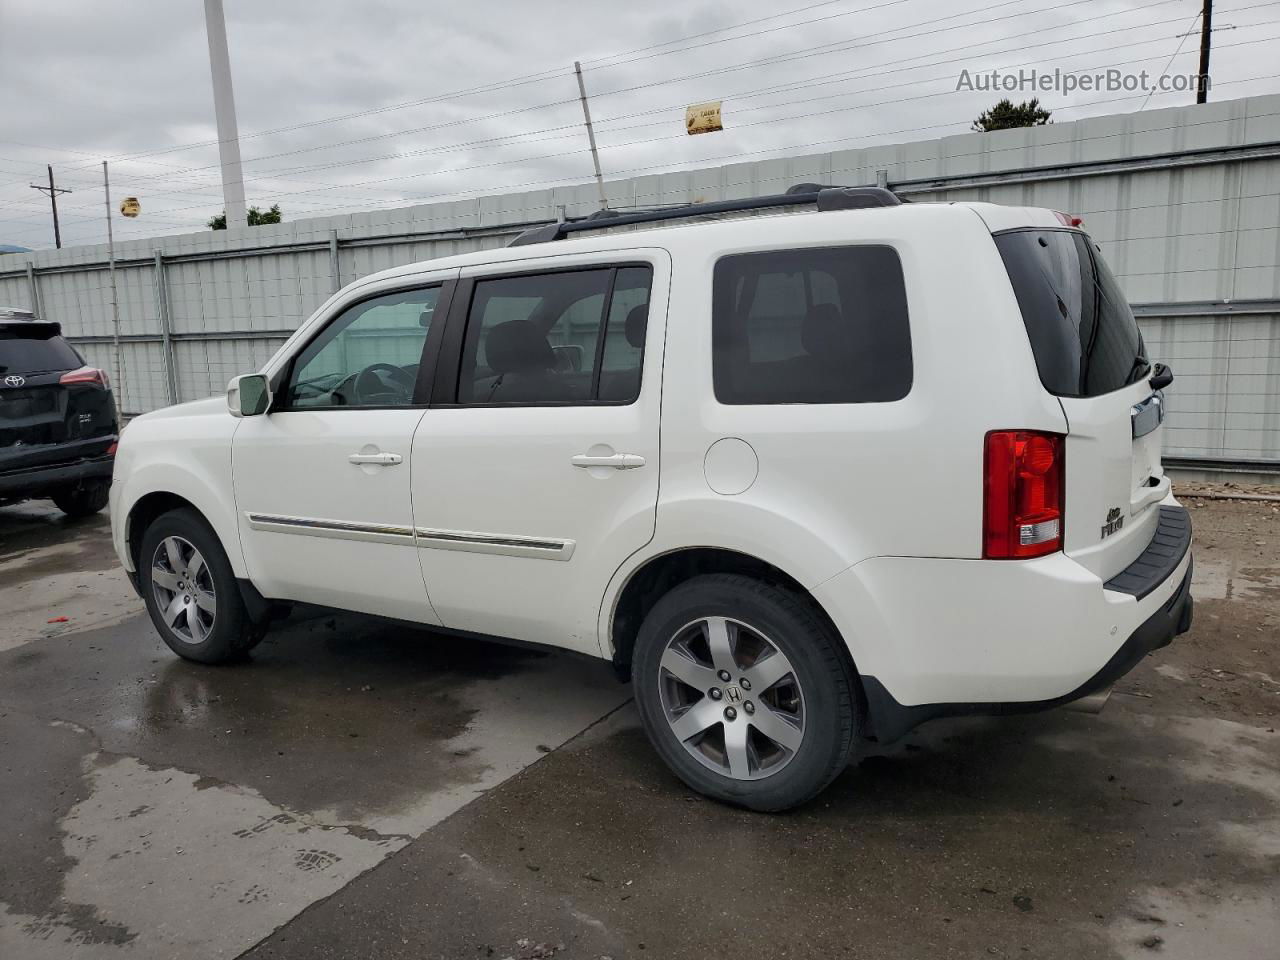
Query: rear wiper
x,y
1139,367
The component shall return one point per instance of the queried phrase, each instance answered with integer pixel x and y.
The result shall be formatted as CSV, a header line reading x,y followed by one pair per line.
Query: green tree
x,y
256,217
1006,115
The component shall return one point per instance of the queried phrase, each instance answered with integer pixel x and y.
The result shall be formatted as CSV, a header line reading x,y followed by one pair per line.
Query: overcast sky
x,y
354,105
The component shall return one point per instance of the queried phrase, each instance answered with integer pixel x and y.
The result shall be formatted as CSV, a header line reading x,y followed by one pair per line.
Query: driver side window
x,y
368,356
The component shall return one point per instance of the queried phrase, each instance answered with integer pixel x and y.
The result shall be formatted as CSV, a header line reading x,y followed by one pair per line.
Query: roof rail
x,y
824,198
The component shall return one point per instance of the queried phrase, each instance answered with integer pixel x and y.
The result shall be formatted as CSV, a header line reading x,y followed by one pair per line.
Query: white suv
x,y
807,476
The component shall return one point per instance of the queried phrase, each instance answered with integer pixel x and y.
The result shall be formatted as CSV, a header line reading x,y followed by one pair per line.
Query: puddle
x,y
165,868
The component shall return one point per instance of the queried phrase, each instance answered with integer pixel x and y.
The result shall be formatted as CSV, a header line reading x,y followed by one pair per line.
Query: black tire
x,y
820,665
83,500
232,633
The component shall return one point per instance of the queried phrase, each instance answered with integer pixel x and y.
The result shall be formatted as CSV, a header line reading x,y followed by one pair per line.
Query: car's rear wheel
x,y
745,692
191,591
84,499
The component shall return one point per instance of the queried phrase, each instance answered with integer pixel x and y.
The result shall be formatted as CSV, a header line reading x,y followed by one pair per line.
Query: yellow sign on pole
x,y
703,118
130,207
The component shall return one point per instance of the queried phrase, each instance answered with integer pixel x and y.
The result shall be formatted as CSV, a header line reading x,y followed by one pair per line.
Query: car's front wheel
x,y
191,591
744,691
83,500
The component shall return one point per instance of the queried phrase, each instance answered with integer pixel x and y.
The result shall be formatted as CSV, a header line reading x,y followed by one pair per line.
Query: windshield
x,y
1083,334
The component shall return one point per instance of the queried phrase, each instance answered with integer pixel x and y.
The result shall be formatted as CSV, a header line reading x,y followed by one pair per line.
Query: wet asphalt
x,y
365,789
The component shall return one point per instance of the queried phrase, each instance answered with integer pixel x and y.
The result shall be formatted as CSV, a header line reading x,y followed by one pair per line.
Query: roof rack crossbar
x,y
824,198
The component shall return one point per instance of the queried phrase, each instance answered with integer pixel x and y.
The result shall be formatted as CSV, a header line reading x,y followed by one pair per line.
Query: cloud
x,y
88,81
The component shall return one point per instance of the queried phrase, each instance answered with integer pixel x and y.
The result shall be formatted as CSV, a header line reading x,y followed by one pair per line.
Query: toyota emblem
x,y
13,380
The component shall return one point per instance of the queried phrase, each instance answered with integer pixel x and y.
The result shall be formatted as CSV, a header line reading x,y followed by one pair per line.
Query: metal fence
x,y
1185,203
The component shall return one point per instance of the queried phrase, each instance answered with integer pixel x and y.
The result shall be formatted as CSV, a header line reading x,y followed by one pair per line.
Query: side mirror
x,y
249,395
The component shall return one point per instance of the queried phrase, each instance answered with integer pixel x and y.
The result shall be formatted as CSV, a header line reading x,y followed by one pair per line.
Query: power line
x,y
787,87
931,127
712,159
757,33
826,49
843,47
1178,50
707,33
401,199
540,76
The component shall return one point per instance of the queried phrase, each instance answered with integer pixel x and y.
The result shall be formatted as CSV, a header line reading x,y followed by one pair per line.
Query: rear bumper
x,y
889,719
41,480
936,637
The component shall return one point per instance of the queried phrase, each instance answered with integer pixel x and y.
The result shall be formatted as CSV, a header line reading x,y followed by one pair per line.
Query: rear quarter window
x,y
35,350
825,325
1083,334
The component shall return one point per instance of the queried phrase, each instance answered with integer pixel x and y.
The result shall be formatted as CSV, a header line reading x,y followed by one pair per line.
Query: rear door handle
x,y
376,459
618,461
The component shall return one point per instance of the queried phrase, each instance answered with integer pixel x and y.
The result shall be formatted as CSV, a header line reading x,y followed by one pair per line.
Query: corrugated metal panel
x,y
14,292
1225,400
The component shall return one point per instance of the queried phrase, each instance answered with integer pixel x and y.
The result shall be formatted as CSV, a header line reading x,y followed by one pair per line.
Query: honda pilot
x,y
809,473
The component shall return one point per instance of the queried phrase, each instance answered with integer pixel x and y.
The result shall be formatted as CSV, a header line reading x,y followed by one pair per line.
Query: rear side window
x,y
825,325
35,350
1083,334
569,337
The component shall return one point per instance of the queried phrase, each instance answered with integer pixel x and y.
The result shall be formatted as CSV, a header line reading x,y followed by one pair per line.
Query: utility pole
x,y
224,108
1206,30
115,299
53,192
591,134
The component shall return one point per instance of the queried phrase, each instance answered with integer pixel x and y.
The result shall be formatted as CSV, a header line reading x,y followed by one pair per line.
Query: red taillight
x,y
111,450
1023,491
1068,219
86,375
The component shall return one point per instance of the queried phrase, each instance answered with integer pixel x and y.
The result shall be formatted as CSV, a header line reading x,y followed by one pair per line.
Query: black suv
x,y
58,426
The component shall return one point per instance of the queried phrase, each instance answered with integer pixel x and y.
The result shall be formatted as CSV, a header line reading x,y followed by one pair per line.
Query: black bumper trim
x,y
17,458
40,481
1156,564
888,720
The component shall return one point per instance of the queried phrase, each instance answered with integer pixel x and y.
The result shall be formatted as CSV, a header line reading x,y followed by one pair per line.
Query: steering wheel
x,y
372,389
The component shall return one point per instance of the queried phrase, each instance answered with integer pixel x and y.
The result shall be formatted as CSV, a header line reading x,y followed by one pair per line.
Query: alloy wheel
x,y
732,698
183,589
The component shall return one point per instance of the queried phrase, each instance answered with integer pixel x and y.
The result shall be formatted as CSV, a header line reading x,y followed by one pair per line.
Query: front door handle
x,y
376,459
618,461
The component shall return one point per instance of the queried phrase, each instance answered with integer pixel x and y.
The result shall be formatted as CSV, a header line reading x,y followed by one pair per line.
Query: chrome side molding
x,y
510,545
335,529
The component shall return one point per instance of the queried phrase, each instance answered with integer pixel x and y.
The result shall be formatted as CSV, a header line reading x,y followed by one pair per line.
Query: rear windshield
x,y
35,350
1085,339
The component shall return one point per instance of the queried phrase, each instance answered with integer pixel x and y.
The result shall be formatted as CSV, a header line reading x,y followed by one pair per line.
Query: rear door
x,y
1090,355
535,472
52,407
